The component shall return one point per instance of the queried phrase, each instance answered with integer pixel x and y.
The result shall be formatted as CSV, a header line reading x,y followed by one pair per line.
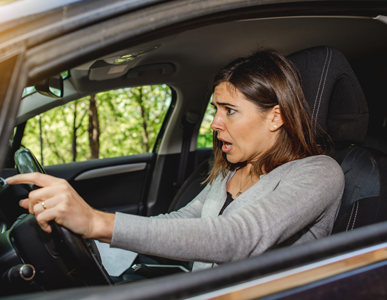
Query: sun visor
x,y
117,65
101,70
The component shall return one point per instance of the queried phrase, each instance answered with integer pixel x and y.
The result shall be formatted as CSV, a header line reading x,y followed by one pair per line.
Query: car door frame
x,y
199,283
13,80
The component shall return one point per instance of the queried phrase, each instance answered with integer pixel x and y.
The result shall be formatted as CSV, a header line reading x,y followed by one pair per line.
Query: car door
x,y
110,164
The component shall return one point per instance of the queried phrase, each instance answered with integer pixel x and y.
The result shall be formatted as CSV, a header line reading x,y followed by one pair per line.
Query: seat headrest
x,y
333,92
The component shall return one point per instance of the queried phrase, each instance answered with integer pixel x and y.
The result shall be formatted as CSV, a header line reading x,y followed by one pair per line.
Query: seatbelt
x,y
189,121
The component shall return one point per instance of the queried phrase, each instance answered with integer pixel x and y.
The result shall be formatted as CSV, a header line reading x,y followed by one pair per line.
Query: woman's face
x,y
246,132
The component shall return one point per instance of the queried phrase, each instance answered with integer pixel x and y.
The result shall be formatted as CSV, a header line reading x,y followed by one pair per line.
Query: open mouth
x,y
227,147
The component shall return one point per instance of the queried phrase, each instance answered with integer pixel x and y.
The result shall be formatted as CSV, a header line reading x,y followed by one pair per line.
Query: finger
x,y
42,180
44,218
39,207
54,194
44,193
35,199
24,203
53,213
37,196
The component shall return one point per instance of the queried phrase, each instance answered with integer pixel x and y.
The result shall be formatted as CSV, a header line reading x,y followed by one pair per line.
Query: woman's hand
x,y
58,201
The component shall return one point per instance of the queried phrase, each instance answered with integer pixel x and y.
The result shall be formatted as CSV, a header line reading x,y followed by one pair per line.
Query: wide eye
x,y
230,111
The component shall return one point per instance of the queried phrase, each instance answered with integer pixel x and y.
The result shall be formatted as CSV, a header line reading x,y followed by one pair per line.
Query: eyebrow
x,y
223,104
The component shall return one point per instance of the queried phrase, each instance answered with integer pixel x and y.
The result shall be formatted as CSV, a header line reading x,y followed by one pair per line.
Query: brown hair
x,y
267,79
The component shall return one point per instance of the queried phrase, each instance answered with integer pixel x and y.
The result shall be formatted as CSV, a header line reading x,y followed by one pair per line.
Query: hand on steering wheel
x,y
57,201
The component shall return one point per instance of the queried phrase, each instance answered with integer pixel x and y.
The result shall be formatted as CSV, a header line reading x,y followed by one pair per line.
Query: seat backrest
x,y
334,94
191,187
339,105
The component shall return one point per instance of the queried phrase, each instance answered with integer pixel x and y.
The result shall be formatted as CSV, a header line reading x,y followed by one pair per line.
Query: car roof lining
x,y
198,53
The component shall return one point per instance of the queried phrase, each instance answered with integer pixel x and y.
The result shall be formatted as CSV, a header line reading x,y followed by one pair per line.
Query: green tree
x,y
205,132
93,129
121,122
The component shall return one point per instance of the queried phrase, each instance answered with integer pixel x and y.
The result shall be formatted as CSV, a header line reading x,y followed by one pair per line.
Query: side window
x,y
108,124
205,132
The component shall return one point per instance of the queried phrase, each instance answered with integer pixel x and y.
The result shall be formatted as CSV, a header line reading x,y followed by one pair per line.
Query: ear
x,y
275,118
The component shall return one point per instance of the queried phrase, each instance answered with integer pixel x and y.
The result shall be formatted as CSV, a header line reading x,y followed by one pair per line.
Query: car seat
x,y
192,186
338,104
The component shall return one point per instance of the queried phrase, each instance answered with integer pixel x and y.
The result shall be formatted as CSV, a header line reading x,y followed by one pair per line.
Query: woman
x,y
270,184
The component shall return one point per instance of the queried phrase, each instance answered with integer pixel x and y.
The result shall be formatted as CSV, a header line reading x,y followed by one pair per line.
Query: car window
x,y
205,131
109,124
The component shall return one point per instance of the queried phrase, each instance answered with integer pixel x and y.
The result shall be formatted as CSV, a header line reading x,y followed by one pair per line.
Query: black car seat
x,y
192,186
338,104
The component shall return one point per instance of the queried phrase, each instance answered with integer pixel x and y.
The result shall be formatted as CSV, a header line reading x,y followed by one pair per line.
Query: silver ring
x,y
44,207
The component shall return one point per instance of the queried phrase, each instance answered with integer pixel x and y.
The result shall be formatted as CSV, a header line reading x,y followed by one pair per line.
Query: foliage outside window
x,y
205,132
108,124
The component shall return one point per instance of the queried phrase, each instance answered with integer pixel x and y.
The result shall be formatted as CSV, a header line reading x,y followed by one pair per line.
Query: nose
x,y
217,123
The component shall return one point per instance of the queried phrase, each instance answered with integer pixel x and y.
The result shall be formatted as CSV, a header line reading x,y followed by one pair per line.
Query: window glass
x,y
205,132
108,124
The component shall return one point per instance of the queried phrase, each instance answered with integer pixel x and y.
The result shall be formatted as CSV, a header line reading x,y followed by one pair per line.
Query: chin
x,y
233,160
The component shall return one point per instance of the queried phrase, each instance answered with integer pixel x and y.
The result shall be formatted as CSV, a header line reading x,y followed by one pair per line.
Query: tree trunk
x,y
145,136
41,140
74,137
93,129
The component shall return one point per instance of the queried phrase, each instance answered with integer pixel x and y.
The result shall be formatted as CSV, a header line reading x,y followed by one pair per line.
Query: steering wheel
x,y
83,254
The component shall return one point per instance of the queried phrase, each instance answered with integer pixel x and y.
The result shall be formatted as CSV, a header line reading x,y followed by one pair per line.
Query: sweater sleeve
x,y
302,198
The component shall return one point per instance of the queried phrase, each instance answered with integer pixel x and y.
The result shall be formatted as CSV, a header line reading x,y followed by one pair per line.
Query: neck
x,y
246,173
249,167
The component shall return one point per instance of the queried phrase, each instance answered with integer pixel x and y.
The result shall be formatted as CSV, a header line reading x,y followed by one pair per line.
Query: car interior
x,y
342,66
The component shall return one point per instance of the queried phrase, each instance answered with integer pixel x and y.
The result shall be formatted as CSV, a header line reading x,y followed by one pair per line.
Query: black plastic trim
x,y
167,118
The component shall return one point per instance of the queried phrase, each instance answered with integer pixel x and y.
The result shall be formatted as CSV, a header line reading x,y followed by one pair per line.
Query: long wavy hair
x,y
267,79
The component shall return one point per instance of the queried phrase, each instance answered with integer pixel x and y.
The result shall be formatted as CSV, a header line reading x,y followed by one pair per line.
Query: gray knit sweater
x,y
294,203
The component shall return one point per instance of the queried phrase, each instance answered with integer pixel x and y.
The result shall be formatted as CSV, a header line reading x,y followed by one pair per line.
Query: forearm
x,y
183,239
